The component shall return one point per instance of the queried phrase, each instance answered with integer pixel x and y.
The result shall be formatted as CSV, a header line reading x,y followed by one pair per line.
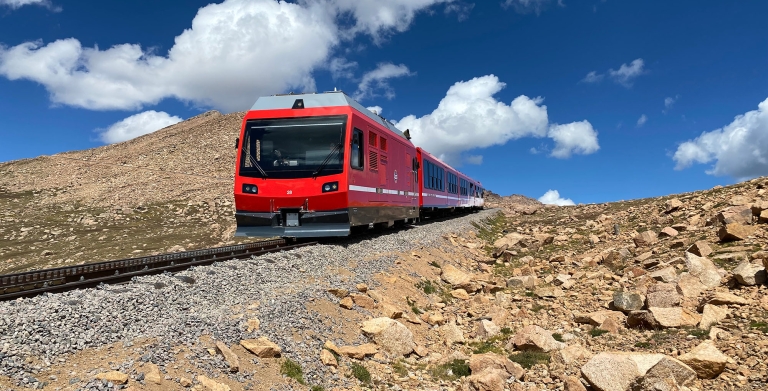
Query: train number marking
x,y
395,176
290,192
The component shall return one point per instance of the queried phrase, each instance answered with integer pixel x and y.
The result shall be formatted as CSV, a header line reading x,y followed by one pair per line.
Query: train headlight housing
x,y
250,189
330,187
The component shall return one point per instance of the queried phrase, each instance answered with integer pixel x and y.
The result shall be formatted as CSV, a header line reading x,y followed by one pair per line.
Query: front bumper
x,y
311,224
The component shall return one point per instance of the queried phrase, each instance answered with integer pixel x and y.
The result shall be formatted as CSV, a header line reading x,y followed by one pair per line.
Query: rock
x,y
706,360
328,359
690,286
645,239
712,315
704,269
674,317
262,347
724,298
488,380
735,231
672,205
610,372
610,325
667,274
763,219
700,248
486,329
460,294
534,338
358,352
482,362
390,311
451,334
572,383
662,296
346,303
528,282
253,324
338,292
510,240
184,382
152,374
735,215
229,356
598,318
211,384
544,239
738,200
628,301
749,274
362,288
668,232
667,374
549,291
434,318
455,277
571,354
363,301
114,377
391,335
643,319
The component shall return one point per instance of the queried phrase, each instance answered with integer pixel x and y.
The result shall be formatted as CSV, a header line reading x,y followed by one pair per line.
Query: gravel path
x,y
178,309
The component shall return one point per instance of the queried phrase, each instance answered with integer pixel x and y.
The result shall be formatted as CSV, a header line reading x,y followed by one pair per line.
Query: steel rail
x,y
61,279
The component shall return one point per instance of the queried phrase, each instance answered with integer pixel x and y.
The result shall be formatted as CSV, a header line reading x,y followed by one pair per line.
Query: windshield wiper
x,y
258,167
326,161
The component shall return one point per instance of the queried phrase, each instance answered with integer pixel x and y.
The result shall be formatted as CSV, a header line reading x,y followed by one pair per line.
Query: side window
x,y
357,155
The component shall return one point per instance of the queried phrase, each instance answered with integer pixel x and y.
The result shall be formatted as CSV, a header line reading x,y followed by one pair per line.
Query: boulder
x,y
152,374
689,286
212,385
672,205
597,318
667,274
662,296
114,377
460,294
712,315
346,303
262,347
451,334
725,298
572,383
749,274
486,329
454,276
667,374
528,282
544,239
641,319
549,291
704,269
706,360
570,354
700,248
229,356
668,232
735,231
628,301
488,380
482,362
509,240
735,215
391,335
534,338
763,219
363,301
358,352
621,371
645,239
328,359
674,317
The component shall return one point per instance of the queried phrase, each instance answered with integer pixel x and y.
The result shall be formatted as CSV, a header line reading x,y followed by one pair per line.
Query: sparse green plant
x,y
644,345
399,369
506,331
529,359
529,294
292,369
558,337
361,373
699,333
762,326
427,286
485,347
451,370
435,264
538,307
317,388
597,332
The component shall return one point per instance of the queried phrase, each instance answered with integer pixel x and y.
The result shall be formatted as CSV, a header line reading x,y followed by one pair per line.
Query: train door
x,y
410,189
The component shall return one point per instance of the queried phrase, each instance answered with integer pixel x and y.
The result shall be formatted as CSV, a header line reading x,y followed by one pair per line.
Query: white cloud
x,y
233,52
340,68
16,4
575,137
137,125
461,9
469,117
740,149
642,120
669,102
528,6
375,109
626,74
552,197
378,79
592,77
474,159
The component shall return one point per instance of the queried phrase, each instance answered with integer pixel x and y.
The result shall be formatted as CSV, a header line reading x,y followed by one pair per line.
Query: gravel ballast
x,y
179,309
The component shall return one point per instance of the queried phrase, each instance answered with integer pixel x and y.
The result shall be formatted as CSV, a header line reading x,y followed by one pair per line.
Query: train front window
x,y
289,148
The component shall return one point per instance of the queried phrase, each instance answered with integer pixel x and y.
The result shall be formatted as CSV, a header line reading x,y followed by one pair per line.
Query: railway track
x,y
61,279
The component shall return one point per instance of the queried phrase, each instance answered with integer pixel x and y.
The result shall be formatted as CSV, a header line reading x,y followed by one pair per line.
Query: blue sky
x,y
600,100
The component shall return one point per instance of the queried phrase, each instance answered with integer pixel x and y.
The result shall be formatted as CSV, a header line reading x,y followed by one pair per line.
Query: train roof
x,y
325,99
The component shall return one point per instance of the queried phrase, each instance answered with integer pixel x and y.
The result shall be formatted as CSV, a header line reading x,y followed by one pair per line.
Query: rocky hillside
x,y
147,195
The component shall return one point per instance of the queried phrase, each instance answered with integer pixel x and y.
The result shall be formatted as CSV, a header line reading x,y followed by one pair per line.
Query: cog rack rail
x,y
62,279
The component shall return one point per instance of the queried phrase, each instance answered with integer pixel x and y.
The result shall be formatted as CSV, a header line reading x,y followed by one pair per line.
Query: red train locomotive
x,y
318,165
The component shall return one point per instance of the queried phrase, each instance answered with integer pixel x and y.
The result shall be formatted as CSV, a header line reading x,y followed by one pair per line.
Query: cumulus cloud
x,y
375,109
233,52
378,80
340,68
469,117
527,6
137,125
552,197
625,75
642,120
669,102
740,149
16,4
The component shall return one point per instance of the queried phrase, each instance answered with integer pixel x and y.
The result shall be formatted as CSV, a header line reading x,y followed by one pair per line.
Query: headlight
x,y
250,189
330,186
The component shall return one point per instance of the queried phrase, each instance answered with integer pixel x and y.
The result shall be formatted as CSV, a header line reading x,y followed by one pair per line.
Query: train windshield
x,y
289,148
